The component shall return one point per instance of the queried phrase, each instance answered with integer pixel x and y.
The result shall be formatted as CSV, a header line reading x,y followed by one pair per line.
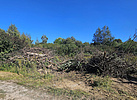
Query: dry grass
x,y
76,85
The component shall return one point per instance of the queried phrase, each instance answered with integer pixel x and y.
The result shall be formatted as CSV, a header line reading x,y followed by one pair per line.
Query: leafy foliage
x,y
107,58
44,39
12,31
12,40
103,36
129,46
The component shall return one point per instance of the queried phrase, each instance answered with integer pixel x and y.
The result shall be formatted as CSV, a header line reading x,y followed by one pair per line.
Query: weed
x,y
104,82
75,94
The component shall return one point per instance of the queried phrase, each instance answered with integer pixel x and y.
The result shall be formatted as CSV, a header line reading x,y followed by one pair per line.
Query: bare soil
x,y
13,91
121,89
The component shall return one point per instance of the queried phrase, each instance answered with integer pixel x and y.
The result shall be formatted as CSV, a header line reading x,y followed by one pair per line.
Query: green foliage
x,y
58,40
76,94
129,46
103,82
27,39
78,43
12,31
19,67
10,43
103,36
50,46
71,46
118,40
37,42
12,40
44,39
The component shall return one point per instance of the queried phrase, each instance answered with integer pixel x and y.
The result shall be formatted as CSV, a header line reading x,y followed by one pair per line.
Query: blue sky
x,y
66,18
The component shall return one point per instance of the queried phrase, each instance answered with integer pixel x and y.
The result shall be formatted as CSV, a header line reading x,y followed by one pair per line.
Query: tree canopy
x,y
44,39
12,30
103,36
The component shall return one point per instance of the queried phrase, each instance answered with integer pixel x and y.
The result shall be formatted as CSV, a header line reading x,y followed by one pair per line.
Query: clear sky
x,y
66,18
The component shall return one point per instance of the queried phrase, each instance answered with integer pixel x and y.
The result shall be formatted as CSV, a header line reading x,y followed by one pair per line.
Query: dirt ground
x,y
124,90
120,89
13,91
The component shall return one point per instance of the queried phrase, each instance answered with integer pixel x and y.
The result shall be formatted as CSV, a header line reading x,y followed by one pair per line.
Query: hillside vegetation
x,y
104,69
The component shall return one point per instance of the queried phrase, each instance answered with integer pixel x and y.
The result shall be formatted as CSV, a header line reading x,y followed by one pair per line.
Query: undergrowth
x,y
27,75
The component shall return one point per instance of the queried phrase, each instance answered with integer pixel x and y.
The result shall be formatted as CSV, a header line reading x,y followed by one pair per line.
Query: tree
x,y
118,40
27,39
103,36
37,42
10,43
78,43
58,40
69,40
86,44
12,30
44,39
72,38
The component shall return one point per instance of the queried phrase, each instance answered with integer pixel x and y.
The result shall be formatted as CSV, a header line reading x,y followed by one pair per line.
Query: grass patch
x,y
72,94
102,82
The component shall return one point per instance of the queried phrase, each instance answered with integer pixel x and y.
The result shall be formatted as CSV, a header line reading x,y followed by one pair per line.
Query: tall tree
x,y
10,43
26,38
103,36
37,42
12,30
44,39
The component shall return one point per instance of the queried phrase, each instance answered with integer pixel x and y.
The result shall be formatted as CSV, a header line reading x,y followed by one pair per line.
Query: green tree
x,y
103,36
12,30
10,43
72,38
37,42
69,40
130,46
78,43
58,40
27,39
118,40
69,46
44,39
86,44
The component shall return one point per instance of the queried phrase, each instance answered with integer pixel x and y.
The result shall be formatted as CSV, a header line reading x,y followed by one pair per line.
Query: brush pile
x,y
40,56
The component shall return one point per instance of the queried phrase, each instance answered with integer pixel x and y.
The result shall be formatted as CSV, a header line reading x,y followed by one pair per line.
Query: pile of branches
x,y
116,64
105,65
112,65
40,56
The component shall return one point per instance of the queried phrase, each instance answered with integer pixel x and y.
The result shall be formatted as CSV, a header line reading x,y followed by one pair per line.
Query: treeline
x,y
102,40
12,40
105,56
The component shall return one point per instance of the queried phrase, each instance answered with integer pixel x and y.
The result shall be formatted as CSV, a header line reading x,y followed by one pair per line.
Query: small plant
x,y
103,82
48,76
74,94
57,59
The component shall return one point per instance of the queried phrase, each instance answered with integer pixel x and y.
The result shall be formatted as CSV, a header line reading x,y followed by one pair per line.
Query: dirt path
x,y
13,91
121,90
